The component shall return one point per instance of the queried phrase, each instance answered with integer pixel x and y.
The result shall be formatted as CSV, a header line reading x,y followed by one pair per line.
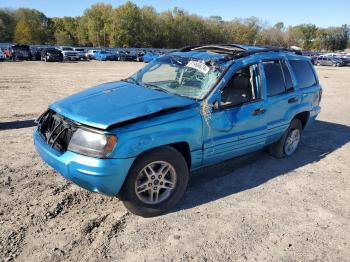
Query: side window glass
x,y
275,84
287,77
303,73
243,87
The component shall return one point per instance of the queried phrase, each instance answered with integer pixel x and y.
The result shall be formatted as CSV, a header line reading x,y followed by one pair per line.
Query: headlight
x,y
92,143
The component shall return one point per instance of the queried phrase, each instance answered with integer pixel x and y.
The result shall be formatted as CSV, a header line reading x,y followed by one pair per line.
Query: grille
x,y
56,130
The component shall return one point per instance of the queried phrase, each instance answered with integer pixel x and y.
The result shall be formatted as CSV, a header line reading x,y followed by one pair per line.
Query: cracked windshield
x,y
179,75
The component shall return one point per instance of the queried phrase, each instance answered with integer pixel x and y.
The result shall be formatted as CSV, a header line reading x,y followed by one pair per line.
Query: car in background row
x,y
51,54
69,53
152,55
329,61
105,56
21,52
2,56
81,52
139,56
346,60
36,53
91,54
125,56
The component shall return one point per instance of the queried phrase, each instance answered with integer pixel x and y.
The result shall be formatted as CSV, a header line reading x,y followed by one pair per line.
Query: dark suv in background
x,y
51,55
21,52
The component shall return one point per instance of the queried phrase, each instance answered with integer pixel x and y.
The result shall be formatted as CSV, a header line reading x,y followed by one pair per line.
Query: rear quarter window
x,y
303,72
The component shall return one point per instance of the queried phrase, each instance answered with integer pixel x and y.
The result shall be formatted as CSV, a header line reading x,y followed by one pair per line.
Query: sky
x,y
323,13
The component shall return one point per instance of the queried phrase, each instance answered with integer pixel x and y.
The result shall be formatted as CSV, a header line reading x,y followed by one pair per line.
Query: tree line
x,y
132,26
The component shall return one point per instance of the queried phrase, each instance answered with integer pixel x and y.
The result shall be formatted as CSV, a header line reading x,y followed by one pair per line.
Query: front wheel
x,y
155,183
289,142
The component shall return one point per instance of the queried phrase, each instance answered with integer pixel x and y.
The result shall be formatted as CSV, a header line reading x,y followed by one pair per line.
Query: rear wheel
x,y
289,142
155,183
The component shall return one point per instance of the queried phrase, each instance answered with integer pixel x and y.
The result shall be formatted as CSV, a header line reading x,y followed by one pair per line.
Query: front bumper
x,y
104,176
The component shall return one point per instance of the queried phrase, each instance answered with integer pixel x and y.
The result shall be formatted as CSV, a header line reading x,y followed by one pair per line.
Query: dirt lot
x,y
254,208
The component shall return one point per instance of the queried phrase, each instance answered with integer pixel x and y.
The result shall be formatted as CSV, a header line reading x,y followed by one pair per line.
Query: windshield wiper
x,y
155,87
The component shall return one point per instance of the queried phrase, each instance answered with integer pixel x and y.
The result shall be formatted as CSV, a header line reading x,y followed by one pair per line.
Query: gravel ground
x,y
254,208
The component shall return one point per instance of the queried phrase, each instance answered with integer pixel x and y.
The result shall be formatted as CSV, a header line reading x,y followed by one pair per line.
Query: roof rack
x,y
221,48
237,51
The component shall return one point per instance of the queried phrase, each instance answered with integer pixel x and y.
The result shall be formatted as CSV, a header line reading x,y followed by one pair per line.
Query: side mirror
x,y
216,105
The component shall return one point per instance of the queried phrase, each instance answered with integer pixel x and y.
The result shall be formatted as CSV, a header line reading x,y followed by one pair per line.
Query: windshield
x,y
184,76
67,49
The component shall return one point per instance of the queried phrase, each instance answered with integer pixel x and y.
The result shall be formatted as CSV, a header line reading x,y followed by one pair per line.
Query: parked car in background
x,y
81,52
105,56
150,56
8,53
69,53
346,60
21,52
51,54
36,53
91,54
2,56
140,137
329,61
125,56
139,56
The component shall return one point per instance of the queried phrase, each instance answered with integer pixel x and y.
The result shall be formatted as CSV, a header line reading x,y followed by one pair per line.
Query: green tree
x,y
31,27
65,30
82,33
126,27
98,20
7,25
303,35
274,36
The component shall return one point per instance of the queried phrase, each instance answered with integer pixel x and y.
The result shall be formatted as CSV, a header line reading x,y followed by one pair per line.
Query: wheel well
x,y
184,149
303,117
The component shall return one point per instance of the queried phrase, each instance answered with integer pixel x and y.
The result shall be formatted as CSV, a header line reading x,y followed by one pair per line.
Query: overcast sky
x,y
323,13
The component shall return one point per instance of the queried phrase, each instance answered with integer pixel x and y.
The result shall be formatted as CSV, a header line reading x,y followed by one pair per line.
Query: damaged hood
x,y
116,102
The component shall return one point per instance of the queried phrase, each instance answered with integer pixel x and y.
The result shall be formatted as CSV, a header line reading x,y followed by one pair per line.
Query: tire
x,y
279,149
137,203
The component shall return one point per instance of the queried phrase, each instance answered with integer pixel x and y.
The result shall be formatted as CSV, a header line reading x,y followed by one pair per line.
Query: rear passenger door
x,y
280,97
307,85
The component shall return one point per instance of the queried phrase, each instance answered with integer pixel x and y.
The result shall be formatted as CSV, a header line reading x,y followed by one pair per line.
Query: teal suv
x,y
139,138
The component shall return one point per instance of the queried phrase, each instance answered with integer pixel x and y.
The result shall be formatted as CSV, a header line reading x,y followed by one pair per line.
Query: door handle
x,y
293,100
258,111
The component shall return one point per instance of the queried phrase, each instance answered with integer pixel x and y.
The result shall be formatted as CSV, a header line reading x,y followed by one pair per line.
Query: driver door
x,y
239,125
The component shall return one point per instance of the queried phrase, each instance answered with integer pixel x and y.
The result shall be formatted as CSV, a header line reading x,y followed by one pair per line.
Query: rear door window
x,y
275,83
303,72
287,77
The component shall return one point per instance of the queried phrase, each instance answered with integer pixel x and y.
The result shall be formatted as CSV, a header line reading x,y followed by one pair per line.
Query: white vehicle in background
x,y
69,53
81,52
91,54
2,56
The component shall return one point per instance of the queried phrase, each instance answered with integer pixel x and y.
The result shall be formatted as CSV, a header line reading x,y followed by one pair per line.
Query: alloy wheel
x,y
292,142
155,182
